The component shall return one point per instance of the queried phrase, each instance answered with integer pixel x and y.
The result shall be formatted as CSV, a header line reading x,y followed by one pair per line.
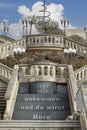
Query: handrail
x,y
5,72
11,93
82,105
72,88
40,124
81,73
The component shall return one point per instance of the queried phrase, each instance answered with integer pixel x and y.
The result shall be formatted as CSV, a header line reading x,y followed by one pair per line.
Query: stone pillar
x,y
79,76
62,72
23,72
42,69
35,71
83,73
53,71
48,71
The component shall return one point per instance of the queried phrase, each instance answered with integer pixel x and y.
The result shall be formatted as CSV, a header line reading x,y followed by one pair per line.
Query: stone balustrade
x,y
81,74
7,49
5,72
72,87
45,71
11,94
38,41
46,41
39,125
82,104
80,47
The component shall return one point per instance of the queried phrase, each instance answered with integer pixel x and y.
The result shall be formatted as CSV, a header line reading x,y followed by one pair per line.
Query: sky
x,y
14,10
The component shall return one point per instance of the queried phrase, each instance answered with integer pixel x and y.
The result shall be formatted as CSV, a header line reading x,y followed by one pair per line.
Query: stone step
x,y
2,96
2,93
2,105
3,87
2,100
1,111
4,90
3,84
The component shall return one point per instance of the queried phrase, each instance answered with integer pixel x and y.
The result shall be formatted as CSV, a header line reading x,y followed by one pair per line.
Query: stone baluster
x,y
53,71
42,69
38,40
62,72
51,39
36,71
83,73
2,71
79,75
48,71
31,71
5,72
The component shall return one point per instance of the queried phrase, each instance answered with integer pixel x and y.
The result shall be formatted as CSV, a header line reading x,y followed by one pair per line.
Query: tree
x,y
77,38
51,28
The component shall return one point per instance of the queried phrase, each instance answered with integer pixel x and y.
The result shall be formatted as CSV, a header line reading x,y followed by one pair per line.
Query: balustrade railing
x,y
36,124
44,72
48,41
11,94
81,74
5,72
35,41
82,105
72,87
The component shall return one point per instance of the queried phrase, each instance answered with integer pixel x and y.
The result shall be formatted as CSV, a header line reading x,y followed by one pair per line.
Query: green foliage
x,y
77,38
51,28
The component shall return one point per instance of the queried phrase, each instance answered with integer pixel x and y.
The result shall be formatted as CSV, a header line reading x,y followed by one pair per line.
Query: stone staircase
x,y
3,87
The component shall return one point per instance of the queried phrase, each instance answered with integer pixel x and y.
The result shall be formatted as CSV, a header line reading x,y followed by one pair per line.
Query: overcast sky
x,y
14,10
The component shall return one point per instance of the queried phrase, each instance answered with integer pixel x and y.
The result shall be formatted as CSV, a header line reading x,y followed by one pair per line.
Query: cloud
x,y
23,10
56,11
56,14
15,30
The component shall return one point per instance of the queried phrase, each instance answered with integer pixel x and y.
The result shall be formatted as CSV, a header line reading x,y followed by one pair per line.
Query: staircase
x,y
3,87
